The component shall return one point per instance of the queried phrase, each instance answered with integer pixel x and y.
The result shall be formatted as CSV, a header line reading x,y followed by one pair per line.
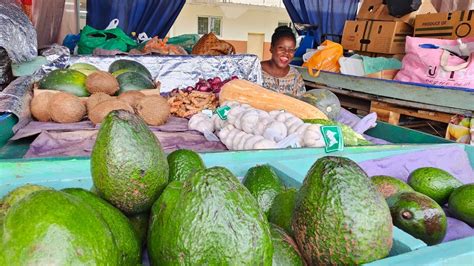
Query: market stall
x,y
142,154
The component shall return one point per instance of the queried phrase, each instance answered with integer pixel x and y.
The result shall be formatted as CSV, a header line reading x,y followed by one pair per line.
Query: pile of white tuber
x,y
247,128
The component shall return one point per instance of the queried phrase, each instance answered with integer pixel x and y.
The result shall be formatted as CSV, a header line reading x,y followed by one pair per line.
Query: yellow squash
x,y
244,91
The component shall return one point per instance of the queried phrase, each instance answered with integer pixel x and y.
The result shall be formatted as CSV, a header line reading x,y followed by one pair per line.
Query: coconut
x,y
101,81
131,97
97,98
39,106
101,110
155,110
66,108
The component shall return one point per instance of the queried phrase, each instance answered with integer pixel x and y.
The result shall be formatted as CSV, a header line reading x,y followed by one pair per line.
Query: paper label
x,y
222,112
332,136
207,112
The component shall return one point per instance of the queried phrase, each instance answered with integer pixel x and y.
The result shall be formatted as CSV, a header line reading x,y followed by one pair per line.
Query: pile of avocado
x,y
416,206
184,213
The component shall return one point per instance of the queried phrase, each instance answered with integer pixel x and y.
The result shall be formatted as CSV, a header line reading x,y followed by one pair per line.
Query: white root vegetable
x,y
201,122
242,141
248,145
264,144
225,131
237,138
291,121
230,137
312,136
233,114
218,122
274,113
248,120
275,131
262,114
283,116
262,125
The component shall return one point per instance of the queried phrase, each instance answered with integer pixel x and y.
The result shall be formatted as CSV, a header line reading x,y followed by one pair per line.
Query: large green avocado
x,y
128,165
183,163
461,203
263,184
18,194
133,81
208,219
130,65
53,228
67,80
140,225
389,186
282,208
285,250
124,235
339,216
434,183
418,215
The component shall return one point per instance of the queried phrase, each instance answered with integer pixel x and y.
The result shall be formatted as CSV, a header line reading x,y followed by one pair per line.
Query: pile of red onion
x,y
211,85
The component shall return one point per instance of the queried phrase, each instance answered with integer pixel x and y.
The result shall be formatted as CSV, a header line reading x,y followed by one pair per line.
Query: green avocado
x,y
53,228
418,215
281,211
140,225
285,250
264,184
131,66
389,186
434,183
67,80
17,194
182,163
461,203
339,217
210,218
122,231
133,81
128,165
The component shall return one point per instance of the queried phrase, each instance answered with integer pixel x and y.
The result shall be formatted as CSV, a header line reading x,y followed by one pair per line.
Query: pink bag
x,y
430,61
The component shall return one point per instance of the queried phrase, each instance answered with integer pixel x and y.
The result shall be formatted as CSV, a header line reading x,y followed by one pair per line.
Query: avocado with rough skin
x,y
128,165
339,216
210,218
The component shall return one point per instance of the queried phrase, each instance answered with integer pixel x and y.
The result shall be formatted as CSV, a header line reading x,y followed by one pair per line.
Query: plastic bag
x,y
187,41
326,58
110,39
399,8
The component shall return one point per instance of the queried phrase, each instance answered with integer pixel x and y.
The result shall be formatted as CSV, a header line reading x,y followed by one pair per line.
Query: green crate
x,y
291,164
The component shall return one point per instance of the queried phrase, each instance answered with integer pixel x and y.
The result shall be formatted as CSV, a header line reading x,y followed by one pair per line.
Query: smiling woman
x,y
278,75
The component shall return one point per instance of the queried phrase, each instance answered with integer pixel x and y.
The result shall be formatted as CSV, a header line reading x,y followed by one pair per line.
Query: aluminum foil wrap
x,y
17,34
176,71
58,57
15,99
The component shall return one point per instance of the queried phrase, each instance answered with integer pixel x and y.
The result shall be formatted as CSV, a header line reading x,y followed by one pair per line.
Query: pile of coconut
x,y
63,107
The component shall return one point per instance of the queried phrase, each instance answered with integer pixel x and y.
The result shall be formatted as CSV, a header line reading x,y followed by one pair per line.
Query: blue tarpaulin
x,y
155,17
328,15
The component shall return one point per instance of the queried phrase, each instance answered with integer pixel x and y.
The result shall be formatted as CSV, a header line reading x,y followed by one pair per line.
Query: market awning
x,y
155,17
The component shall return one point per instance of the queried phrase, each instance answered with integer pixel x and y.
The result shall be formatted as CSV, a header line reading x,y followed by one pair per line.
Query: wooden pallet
x,y
391,113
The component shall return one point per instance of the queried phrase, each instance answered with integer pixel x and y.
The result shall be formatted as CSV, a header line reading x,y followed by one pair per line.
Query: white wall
x,y
237,20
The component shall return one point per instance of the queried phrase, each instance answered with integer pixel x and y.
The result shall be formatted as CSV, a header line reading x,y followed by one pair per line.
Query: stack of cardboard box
x,y
453,25
376,31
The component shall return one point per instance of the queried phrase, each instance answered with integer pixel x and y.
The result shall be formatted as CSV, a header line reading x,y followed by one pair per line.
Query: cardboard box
x,y
376,10
385,37
453,25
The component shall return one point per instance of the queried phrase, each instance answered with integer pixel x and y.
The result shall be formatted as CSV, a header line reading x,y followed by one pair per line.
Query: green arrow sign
x,y
332,136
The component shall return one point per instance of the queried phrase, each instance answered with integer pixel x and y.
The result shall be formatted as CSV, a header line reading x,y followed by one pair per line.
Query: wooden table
x,y
391,99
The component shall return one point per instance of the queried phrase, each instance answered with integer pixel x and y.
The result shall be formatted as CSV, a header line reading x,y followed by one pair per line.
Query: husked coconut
x,y
39,106
155,110
101,81
131,97
101,110
66,108
97,98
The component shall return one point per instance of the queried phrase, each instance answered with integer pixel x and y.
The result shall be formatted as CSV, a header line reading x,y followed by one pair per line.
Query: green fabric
x,y
113,39
377,64
28,68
